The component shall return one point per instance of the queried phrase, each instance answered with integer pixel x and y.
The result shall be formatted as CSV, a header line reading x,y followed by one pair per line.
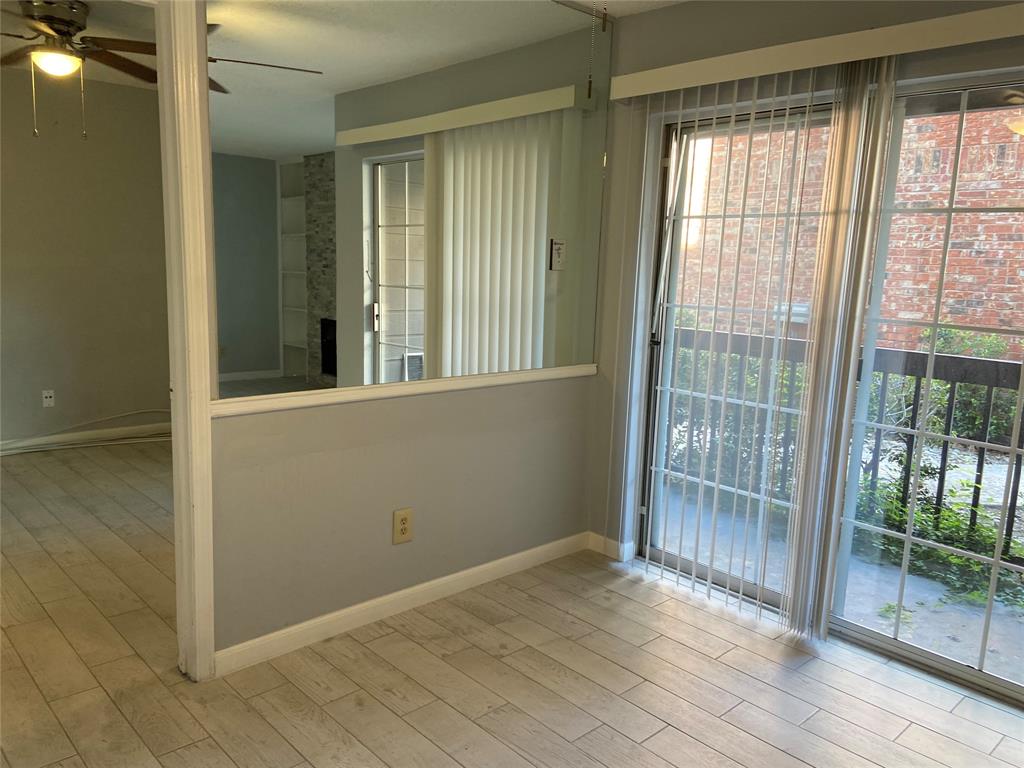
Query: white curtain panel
x,y
491,189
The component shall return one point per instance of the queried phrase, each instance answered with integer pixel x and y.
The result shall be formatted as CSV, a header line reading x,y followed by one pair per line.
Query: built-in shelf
x,y
293,272
294,346
293,234
293,197
294,309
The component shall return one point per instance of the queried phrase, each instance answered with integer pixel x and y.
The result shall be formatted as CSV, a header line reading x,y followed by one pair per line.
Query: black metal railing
x,y
899,374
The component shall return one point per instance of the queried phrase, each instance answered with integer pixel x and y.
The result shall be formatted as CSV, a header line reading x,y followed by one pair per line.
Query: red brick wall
x,y
984,282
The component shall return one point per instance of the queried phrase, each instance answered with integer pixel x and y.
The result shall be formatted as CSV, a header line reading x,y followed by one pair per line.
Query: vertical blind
x,y
489,199
752,226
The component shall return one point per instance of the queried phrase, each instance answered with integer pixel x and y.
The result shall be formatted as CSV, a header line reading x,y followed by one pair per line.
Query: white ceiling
x,y
356,43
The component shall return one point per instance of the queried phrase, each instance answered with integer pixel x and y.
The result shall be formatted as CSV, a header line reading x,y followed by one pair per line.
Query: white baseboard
x,y
296,636
248,375
85,437
617,550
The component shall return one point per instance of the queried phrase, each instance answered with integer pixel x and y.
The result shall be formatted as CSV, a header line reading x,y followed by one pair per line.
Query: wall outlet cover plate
x,y
401,528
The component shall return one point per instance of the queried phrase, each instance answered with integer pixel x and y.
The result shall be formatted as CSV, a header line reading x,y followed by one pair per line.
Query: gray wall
x,y
699,29
653,39
303,499
246,242
548,64
84,299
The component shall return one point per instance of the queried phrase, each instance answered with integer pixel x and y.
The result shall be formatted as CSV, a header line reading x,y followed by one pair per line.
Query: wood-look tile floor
x,y
581,662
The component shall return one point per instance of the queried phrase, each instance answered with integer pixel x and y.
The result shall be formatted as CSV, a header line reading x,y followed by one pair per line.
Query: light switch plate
x,y
557,256
401,530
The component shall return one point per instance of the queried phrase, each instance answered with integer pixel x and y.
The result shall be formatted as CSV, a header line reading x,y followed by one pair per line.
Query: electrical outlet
x,y
401,530
47,398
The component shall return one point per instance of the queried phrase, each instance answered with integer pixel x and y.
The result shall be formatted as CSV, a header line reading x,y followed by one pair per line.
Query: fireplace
x,y
328,346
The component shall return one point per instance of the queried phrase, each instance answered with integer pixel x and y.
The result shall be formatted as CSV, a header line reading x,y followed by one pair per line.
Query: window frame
x,y
375,271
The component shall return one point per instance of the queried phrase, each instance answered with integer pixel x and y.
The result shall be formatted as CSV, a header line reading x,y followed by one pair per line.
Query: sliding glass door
x,y
931,552
739,258
929,558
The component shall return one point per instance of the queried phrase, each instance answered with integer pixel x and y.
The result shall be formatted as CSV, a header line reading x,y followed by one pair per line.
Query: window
x,y
932,552
398,248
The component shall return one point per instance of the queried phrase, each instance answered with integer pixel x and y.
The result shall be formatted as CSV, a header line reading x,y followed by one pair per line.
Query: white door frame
x,y
192,328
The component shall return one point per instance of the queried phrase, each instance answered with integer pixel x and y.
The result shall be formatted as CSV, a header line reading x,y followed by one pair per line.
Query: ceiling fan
x,y
60,53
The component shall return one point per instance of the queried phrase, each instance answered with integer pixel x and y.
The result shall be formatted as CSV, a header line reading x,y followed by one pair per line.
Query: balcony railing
x,y
898,374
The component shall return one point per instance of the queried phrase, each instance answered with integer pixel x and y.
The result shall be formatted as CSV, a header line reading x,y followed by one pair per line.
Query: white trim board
x,y
249,375
241,406
85,437
943,32
476,114
192,326
297,636
620,551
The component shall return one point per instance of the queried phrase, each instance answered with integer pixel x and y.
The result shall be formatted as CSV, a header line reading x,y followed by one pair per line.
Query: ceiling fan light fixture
x,y
57,63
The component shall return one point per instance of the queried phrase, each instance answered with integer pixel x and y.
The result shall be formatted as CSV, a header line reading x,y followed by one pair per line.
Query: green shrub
x,y
949,525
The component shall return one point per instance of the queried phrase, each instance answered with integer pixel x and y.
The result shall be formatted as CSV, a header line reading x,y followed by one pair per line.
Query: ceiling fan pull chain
x,y
35,126
81,81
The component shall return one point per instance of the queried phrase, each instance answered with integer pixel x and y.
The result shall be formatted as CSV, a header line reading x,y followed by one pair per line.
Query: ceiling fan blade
x,y
119,44
215,86
211,28
120,63
18,54
34,24
215,59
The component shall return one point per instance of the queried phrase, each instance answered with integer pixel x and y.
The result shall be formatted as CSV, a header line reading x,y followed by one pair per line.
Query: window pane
x,y
992,155
393,314
912,264
884,480
927,148
944,603
960,496
414,244
981,371
1005,653
392,193
984,282
416,192
1013,529
872,581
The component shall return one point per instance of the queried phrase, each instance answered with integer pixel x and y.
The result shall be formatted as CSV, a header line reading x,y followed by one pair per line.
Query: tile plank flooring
x,y
580,662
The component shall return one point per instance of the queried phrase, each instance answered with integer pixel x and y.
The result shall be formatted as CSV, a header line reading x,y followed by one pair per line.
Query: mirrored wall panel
x,y
404,190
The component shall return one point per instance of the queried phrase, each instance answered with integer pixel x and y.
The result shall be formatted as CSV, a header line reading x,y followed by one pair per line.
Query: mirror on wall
x,y
404,190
